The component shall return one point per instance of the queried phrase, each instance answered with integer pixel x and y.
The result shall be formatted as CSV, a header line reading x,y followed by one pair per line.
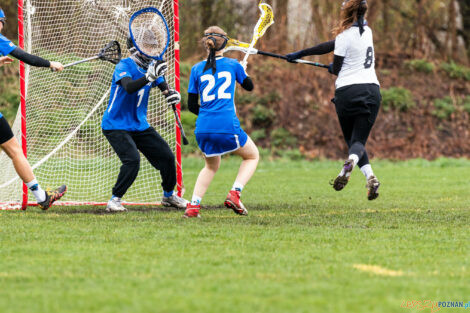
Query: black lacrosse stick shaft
x,y
180,126
283,57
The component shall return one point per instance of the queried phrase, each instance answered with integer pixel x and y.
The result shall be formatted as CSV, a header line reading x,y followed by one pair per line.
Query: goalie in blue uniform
x,y
126,128
8,142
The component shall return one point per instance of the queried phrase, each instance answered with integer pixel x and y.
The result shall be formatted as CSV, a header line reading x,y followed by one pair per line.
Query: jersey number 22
x,y
221,94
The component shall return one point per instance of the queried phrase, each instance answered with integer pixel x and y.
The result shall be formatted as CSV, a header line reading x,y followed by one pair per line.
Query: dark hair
x,y
352,11
215,39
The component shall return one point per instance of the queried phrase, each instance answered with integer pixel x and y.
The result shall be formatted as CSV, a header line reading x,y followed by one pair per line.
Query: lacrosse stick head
x,y
265,21
111,53
149,33
240,46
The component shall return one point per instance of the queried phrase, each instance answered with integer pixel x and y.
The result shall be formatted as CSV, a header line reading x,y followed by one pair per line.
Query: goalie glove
x,y
173,97
155,70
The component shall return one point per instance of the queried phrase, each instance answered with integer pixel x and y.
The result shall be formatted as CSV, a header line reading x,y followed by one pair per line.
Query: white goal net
x,y
62,112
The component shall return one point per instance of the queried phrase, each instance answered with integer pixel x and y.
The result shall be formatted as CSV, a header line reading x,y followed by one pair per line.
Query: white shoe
x,y
175,201
115,205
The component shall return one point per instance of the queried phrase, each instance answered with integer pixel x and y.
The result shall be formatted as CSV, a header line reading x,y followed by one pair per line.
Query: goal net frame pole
x,y
24,145
179,168
23,139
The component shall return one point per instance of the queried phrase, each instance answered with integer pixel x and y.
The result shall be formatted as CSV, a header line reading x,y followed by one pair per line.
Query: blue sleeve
x,y
240,73
121,71
159,80
6,46
193,82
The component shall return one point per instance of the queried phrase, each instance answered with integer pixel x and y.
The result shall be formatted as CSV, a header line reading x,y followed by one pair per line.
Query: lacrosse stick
x,y
266,19
235,45
150,34
111,53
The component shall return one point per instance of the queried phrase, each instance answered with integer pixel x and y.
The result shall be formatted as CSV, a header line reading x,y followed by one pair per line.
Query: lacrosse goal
x,y
59,120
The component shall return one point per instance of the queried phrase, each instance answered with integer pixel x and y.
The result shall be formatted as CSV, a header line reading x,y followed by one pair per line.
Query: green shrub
x,y
282,138
269,99
262,116
397,98
455,70
466,104
420,65
443,108
244,98
188,120
258,134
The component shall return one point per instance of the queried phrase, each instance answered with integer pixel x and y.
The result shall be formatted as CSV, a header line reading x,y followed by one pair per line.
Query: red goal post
x,y
64,160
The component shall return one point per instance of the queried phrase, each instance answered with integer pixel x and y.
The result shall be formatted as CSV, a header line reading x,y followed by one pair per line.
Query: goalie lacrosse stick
x,y
235,45
150,34
111,53
265,20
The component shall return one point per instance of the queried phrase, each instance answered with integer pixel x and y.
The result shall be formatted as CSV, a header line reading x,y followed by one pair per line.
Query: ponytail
x,y
211,60
361,12
215,39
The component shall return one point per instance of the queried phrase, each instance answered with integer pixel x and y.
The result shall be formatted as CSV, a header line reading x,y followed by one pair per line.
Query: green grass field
x,y
303,248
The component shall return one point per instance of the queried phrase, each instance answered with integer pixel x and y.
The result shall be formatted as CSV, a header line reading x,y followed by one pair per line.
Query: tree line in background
x,y
404,28
433,29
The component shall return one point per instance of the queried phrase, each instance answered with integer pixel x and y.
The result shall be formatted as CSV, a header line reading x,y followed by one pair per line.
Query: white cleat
x,y
175,201
115,205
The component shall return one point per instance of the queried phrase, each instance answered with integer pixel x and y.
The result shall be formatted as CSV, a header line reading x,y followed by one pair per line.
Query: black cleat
x,y
342,180
372,186
52,196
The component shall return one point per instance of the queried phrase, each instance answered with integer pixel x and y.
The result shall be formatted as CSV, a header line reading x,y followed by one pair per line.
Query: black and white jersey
x,y
359,59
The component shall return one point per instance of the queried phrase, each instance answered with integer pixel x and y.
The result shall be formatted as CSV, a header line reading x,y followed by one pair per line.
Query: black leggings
x,y
357,107
5,131
127,146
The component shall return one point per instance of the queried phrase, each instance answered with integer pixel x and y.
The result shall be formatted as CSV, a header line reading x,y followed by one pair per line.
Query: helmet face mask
x,y
141,60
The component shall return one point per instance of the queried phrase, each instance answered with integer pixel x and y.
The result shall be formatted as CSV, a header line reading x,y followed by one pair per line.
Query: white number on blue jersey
x,y
141,96
221,94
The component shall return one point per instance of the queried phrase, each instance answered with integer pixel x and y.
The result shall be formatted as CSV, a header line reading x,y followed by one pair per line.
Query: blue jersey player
x,y
218,130
126,128
8,142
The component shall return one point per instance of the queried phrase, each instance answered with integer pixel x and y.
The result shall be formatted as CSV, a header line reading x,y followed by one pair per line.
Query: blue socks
x,y
167,194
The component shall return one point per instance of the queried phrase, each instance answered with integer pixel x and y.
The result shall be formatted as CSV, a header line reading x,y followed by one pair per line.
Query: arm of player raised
x,y
243,79
132,86
35,60
323,48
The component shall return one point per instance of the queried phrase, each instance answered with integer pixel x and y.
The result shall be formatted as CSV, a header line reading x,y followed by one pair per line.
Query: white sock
x,y
237,186
355,158
195,200
37,191
367,171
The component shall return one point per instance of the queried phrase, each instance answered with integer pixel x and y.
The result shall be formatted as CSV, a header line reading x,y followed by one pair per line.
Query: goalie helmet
x,y
141,60
2,17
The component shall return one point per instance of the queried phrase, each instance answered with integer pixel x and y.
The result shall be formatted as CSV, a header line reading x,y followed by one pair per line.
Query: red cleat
x,y
192,211
233,202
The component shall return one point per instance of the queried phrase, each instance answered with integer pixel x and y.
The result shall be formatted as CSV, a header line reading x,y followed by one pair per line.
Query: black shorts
x,y
360,99
5,131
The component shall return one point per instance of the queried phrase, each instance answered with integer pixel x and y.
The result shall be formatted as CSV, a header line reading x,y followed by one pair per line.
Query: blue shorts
x,y
219,144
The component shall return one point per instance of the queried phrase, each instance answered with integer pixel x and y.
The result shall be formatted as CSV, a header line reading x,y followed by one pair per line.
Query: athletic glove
x,y
173,97
155,70
291,57
330,68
